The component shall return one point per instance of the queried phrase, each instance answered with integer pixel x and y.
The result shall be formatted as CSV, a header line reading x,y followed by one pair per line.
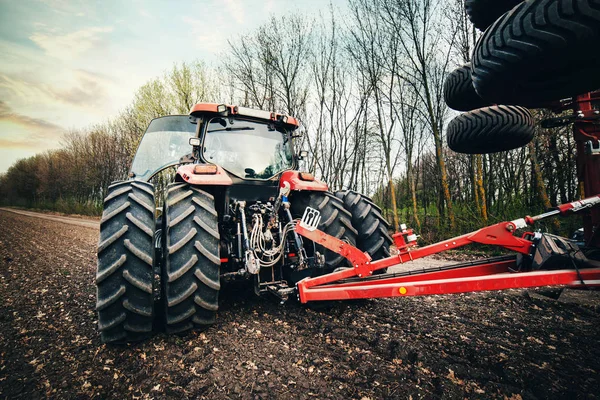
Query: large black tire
x,y
190,277
483,13
459,92
372,228
490,130
335,221
124,277
540,51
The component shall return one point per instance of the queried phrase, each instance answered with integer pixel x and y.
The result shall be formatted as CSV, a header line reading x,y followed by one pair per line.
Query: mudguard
x,y
296,183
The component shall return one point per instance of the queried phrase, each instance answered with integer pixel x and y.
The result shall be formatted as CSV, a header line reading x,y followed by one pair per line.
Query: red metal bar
x,y
499,234
485,276
447,286
492,268
588,165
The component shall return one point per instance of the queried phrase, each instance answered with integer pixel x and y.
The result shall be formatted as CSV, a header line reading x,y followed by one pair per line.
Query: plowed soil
x,y
483,345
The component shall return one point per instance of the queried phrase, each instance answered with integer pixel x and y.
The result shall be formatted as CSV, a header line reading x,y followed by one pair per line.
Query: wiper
x,y
230,129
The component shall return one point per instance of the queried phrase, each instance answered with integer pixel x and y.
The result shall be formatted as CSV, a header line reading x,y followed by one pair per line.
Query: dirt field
x,y
488,345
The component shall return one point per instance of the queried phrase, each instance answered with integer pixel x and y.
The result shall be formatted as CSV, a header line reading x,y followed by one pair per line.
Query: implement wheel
x,y
190,277
490,130
540,51
484,13
124,277
459,92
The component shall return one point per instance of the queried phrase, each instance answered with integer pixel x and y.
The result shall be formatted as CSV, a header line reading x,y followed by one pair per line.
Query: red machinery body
x,y
587,135
492,274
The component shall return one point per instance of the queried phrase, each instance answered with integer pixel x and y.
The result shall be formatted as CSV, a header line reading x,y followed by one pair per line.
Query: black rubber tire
x,y
190,276
540,51
483,13
335,221
490,130
124,277
372,228
459,92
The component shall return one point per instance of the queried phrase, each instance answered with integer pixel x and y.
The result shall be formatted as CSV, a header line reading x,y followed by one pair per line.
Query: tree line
x,y
367,85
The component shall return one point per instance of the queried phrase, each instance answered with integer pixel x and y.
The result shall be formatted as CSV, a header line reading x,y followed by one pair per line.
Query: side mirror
x,y
302,155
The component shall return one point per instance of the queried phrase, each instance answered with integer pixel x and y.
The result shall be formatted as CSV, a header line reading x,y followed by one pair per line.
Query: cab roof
x,y
227,109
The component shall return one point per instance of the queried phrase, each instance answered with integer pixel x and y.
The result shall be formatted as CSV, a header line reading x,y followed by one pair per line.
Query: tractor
x,y
228,214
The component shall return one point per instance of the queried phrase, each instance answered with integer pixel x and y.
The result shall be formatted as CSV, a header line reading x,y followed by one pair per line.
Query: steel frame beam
x,y
492,275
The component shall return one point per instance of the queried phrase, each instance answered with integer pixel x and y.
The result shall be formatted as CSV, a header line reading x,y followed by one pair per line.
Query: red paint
x,y
424,287
209,107
485,276
219,179
293,178
586,129
234,110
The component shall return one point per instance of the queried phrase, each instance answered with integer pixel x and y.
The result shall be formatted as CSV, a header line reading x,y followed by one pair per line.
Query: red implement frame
x,y
586,130
486,275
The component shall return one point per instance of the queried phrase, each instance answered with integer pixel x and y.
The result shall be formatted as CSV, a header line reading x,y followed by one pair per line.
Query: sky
x,y
68,64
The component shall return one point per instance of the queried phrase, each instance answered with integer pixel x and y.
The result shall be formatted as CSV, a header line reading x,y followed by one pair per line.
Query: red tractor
x,y
229,214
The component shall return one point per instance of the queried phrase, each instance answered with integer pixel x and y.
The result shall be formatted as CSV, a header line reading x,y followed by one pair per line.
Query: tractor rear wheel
x,y
190,276
372,228
490,130
335,221
124,277
540,51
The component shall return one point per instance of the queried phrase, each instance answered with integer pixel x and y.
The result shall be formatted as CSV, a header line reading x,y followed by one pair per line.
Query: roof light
x,y
205,169
194,141
221,108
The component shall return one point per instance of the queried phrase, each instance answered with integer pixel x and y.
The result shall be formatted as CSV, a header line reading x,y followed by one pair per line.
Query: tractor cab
x,y
246,144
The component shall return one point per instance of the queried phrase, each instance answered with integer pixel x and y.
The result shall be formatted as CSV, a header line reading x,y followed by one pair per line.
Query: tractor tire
x,y
459,92
372,228
124,277
490,130
483,13
190,276
540,51
335,221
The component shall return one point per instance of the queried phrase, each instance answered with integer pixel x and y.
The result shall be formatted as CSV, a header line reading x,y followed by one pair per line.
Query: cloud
x,y
90,89
69,46
18,131
206,39
236,9
23,144
6,114
87,89
145,13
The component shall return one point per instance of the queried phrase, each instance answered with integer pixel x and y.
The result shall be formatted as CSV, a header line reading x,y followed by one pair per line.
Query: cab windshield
x,y
166,140
247,149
